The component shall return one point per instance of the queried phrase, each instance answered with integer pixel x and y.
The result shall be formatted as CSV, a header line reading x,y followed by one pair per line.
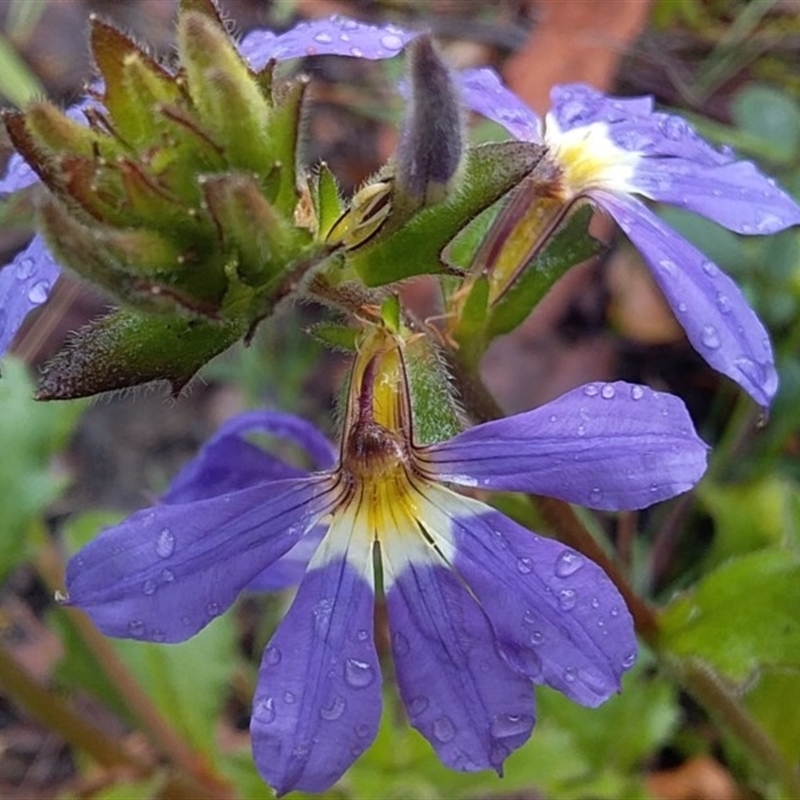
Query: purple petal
x,y
576,104
336,35
459,692
166,572
609,446
18,175
557,617
25,284
227,462
735,195
711,308
318,702
290,568
484,92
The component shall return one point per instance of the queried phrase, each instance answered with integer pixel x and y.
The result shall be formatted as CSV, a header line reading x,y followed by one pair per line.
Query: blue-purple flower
x,y
27,280
610,149
478,606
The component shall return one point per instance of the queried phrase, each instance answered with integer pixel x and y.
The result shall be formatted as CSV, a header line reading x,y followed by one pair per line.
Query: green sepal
x,y
127,349
415,249
571,244
325,197
137,267
338,337
436,414
248,226
470,330
134,83
224,91
391,313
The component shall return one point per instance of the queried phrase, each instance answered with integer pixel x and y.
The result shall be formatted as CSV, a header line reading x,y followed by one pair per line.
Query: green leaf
x,y
415,248
18,83
570,245
766,699
742,617
31,433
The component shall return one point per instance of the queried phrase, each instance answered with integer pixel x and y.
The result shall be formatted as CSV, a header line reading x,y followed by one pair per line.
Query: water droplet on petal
x,y
581,430
723,303
400,644
553,418
629,660
710,269
167,575
358,674
165,543
149,587
323,38
595,603
567,599
614,611
529,616
443,729
334,709
357,52
264,710
136,628
289,698
568,563
362,730
362,635
537,637
158,635
38,292
607,392
595,495
637,393
417,705
683,308
668,266
710,337
757,373
505,725
391,42
590,390
570,674
25,268
524,566
322,616
212,609
272,656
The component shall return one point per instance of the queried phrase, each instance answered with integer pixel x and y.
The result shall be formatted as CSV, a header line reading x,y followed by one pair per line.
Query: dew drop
x,y
683,308
362,730
710,337
590,390
710,269
167,575
362,635
165,543
38,292
568,563
400,644
570,674
614,611
537,637
629,660
158,635
264,710
25,268
524,566
272,656
323,38
529,616
212,609
757,373
418,705
499,539
668,266
567,599
637,393
505,725
358,674
357,52
595,603
723,303
391,42
289,698
149,587
553,418
443,729
581,430
322,616
595,495
334,709
607,392
136,628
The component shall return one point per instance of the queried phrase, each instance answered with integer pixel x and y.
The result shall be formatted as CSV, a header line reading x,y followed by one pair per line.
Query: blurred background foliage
x,y
709,711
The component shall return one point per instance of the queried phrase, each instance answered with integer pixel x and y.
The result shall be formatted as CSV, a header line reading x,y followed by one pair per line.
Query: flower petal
x,y
609,446
318,702
484,92
19,175
711,308
577,104
166,572
459,692
227,462
557,617
336,35
25,283
735,195
290,568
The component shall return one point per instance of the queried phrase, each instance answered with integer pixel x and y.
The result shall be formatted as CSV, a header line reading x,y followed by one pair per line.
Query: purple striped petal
x,y
318,702
18,175
459,692
557,617
484,92
227,462
339,36
166,572
25,283
290,568
609,446
575,105
735,195
707,303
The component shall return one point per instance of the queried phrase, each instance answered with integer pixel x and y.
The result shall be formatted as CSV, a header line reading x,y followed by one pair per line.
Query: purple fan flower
x,y
478,606
610,149
26,281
